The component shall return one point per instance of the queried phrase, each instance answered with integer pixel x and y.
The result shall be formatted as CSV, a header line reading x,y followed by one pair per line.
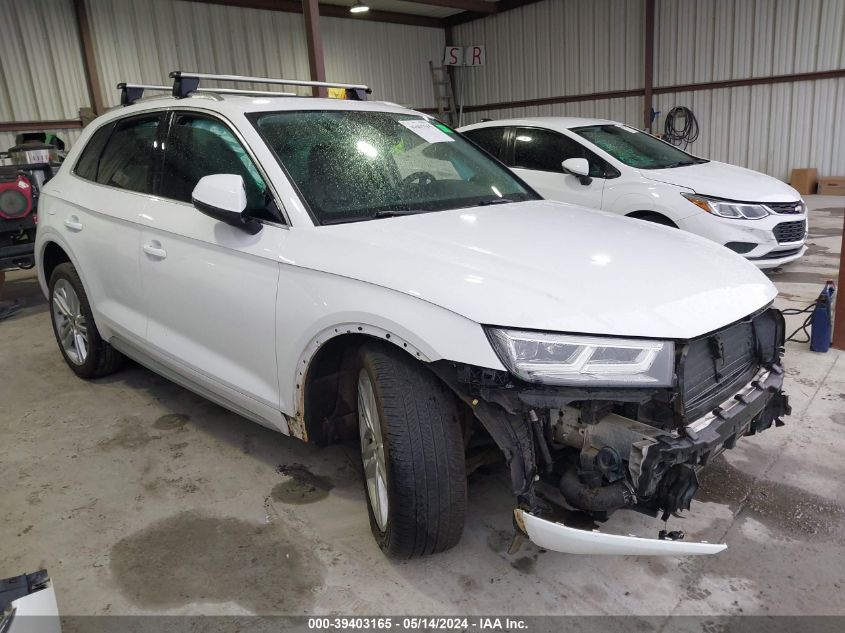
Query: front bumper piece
x,y
755,408
558,537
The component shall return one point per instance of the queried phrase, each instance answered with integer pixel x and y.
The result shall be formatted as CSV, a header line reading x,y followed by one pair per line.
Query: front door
x,y
536,157
210,287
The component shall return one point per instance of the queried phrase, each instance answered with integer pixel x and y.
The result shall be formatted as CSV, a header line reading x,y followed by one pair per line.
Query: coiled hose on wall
x,y
680,134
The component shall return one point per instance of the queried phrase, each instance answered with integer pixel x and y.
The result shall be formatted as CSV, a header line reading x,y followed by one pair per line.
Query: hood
x,y
547,266
721,180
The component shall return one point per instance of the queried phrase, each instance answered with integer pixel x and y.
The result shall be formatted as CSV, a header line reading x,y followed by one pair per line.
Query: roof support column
x,y
648,64
839,308
89,59
314,38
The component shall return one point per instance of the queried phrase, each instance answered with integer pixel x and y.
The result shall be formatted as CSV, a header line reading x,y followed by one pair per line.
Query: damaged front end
x,y
621,423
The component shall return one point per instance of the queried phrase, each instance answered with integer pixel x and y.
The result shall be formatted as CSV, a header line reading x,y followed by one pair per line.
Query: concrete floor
x,y
140,497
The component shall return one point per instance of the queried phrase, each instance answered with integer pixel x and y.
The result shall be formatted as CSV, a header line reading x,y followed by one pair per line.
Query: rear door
x,y
210,288
490,139
536,154
101,219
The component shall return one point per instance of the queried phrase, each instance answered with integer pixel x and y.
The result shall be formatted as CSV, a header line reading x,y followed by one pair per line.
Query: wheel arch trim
x,y
53,237
296,423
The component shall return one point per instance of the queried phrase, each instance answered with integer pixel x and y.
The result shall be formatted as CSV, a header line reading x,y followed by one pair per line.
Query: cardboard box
x,y
832,186
803,181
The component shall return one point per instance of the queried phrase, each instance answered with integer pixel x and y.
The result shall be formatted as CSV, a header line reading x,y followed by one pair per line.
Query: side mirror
x,y
223,197
578,167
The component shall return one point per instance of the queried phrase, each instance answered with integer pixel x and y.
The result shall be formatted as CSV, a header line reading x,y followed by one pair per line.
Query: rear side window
x,y
129,160
198,146
490,139
543,150
86,166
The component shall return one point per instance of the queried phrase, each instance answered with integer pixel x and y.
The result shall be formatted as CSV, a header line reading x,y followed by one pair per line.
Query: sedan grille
x,y
785,207
790,231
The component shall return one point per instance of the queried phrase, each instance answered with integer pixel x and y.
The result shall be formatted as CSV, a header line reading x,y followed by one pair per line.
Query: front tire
x,y
413,454
88,355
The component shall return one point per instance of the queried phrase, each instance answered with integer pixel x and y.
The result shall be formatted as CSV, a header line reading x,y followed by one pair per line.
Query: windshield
x,y
352,165
635,148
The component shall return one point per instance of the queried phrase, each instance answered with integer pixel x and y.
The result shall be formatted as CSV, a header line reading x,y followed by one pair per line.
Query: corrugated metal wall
x,y
547,49
553,48
770,128
41,69
41,72
143,40
572,47
391,58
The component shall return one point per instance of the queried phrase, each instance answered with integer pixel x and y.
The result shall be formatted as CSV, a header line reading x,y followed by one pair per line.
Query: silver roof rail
x,y
130,93
184,83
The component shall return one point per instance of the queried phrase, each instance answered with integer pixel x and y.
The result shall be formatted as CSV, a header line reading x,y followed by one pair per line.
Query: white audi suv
x,y
346,270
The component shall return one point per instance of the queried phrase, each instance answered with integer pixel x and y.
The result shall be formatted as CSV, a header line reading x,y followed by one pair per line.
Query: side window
x,y
89,160
197,146
491,139
543,150
128,161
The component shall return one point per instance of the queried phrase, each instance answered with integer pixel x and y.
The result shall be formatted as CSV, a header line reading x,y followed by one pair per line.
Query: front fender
x,y
328,306
648,195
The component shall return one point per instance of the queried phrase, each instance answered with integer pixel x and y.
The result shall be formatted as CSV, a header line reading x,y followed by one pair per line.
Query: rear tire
x,y
88,355
424,470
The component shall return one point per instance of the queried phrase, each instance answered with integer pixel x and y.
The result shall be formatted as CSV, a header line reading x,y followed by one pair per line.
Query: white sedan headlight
x,y
728,209
586,361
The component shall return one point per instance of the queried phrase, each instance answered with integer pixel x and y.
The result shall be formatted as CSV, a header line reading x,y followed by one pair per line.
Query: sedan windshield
x,y
635,148
353,165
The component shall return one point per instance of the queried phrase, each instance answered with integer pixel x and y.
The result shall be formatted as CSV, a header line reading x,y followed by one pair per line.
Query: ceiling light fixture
x,y
359,7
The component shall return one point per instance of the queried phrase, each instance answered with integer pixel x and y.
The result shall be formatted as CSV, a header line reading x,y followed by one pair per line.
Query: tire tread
x,y
425,453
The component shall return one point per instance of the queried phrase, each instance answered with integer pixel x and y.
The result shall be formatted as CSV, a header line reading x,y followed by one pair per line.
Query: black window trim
x,y
161,112
503,150
511,151
166,113
108,124
172,112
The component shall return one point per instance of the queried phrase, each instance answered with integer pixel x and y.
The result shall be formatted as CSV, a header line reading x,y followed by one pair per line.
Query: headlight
x,y
727,209
587,361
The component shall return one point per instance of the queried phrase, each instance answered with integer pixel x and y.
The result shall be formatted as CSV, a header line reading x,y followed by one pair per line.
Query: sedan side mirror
x,y
578,167
223,197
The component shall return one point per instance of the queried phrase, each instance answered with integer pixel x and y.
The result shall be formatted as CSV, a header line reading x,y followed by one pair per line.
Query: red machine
x,y
15,197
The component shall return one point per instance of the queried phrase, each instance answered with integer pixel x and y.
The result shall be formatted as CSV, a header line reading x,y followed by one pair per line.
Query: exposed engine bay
x,y
639,448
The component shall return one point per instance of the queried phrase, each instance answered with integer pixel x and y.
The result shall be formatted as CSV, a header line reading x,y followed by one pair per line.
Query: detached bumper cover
x,y
561,538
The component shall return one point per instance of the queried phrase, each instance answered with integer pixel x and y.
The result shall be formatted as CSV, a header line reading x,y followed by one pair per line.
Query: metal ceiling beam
x,y
332,11
477,6
500,7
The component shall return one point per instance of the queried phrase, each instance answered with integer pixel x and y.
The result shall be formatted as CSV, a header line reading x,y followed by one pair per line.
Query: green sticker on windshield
x,y
443,128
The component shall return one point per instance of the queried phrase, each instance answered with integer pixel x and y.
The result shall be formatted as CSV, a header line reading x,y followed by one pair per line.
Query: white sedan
x,y
611,166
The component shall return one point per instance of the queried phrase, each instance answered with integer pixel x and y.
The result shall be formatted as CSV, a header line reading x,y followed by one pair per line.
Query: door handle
x,y
73,223
154,249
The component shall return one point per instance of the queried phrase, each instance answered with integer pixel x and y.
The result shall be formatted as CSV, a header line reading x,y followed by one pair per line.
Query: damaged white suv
x,y
342,270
